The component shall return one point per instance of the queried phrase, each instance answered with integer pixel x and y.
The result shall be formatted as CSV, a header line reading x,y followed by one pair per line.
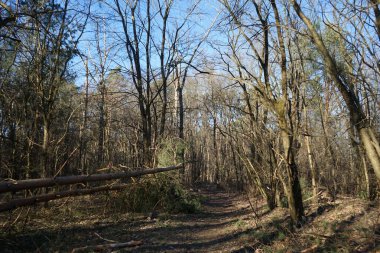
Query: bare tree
x,y
346,88
280,104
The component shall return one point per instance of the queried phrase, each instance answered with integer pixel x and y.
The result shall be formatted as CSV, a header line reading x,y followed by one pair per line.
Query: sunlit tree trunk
x,y
314,180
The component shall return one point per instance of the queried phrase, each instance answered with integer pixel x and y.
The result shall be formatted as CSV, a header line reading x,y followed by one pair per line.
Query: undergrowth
x,y
163,191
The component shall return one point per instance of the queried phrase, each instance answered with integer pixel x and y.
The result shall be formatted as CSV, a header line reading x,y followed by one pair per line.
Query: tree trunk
x,y
368,186
293,187
46,182
45,147
372,148
180,117
83,130
314,180
180,112
310,159
376,11
216,151
326,137
101,130
13,186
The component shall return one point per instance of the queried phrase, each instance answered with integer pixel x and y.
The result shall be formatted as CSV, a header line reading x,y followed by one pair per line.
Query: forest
x,y
253,123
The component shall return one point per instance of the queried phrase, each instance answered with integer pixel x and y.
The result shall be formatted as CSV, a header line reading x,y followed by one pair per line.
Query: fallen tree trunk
x,y
15,203
107,247
13,185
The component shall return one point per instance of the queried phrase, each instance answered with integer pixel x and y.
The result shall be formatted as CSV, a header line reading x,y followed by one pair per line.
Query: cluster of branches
x,y
135,58
299,80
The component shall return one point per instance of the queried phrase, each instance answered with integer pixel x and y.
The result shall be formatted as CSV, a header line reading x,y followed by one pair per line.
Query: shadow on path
x,y
220,225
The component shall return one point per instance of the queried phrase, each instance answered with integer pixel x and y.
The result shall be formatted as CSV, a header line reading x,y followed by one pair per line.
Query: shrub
x,y
161,191
171,151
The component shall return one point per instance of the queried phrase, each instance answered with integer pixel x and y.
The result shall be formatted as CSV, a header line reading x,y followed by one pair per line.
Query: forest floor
x,y
226,223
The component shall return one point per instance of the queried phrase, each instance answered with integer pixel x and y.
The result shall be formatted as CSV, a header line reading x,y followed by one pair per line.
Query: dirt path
x,y
223,225
219,228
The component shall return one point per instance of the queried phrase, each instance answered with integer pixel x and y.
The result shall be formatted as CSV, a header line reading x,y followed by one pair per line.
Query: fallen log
x,y
29,184
15,203
107,247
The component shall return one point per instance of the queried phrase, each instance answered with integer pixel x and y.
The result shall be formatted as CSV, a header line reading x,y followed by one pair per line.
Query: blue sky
x,y
198,23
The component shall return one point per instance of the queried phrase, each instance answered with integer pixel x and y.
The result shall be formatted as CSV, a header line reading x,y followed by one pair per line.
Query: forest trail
x,y
225,223
220,227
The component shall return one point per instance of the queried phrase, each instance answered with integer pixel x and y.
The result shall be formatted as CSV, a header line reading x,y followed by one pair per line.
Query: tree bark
x,y
293,188
15,203
83,130
101,130
45,146
376,11
310,159
107,247
13,186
